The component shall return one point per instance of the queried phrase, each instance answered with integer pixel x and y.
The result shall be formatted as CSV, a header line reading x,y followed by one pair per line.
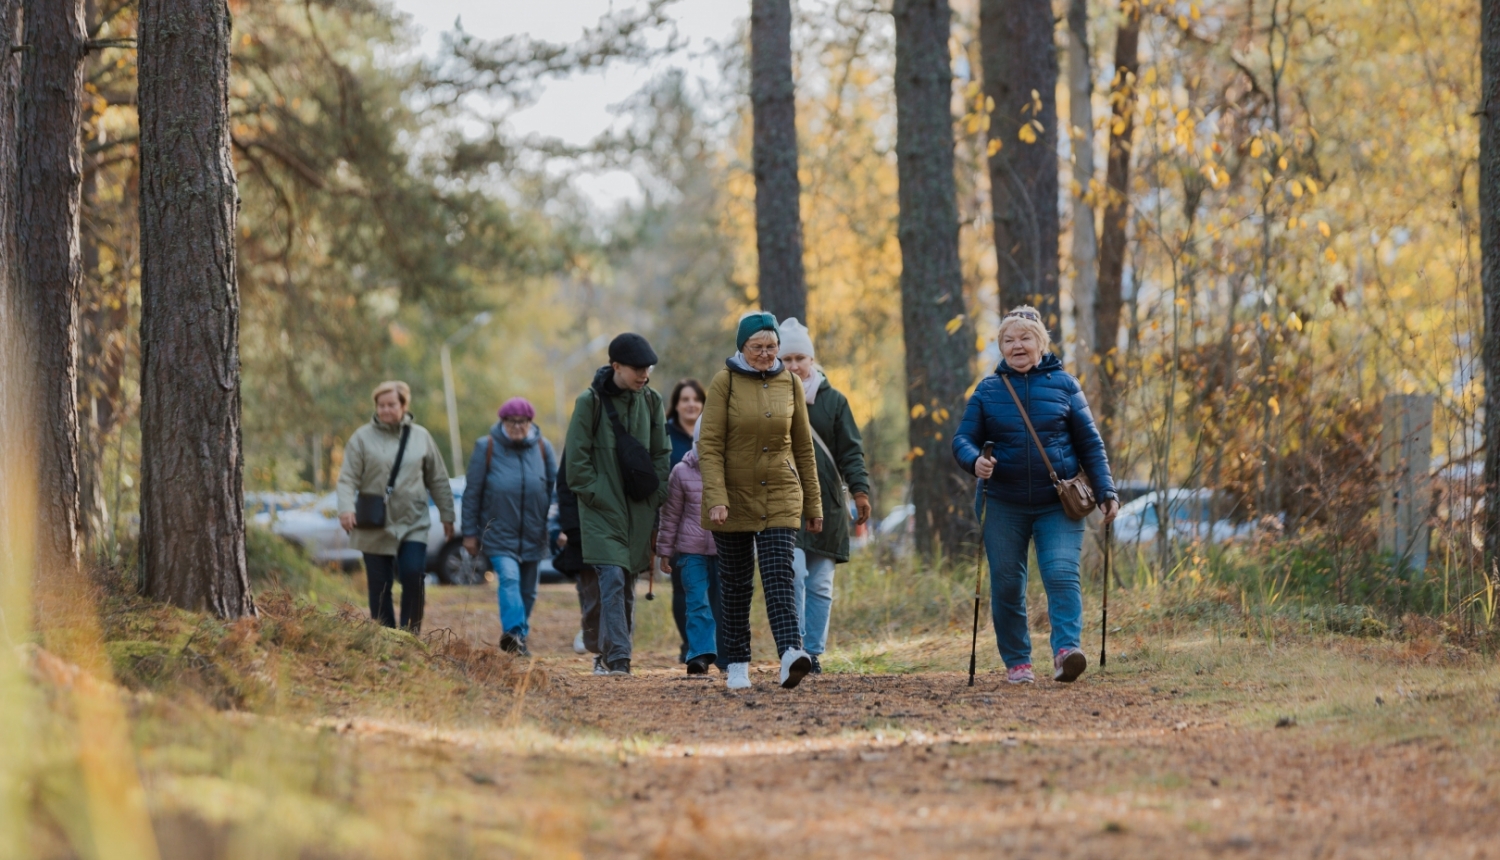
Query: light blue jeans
x,y
516,592
1009,531
700,579
814,586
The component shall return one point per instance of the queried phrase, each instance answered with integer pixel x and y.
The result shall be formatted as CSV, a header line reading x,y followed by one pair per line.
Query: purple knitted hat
x,y
517,407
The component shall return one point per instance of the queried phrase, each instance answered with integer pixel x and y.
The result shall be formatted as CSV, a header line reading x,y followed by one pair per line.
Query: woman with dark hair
x,y
683,409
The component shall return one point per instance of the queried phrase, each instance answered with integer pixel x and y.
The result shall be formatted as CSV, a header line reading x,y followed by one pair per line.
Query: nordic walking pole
x,y
984,508
1104,626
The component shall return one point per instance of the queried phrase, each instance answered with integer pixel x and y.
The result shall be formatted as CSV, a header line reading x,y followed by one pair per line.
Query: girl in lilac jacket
x,y
684,545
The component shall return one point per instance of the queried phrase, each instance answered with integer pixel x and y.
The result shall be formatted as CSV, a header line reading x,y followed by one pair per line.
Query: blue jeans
x,y
814,585
1008,533
516,592
700,582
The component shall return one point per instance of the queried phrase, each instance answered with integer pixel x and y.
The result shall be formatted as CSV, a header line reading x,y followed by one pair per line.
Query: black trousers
x,y
381,572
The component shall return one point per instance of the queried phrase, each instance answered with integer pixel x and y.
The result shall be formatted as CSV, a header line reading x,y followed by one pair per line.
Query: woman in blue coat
x,y
1021,504
509,490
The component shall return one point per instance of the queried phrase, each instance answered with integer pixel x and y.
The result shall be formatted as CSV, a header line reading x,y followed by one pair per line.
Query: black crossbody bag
x,y
637,472
370,508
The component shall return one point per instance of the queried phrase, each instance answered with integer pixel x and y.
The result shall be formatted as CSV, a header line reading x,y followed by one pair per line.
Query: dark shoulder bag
x,y
637,471
370,508
1076,494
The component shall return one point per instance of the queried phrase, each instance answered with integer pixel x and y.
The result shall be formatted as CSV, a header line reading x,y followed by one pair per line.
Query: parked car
x,y
316,527
1196,515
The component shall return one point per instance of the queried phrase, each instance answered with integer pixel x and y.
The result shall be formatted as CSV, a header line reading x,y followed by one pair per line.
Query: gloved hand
x,y
862,507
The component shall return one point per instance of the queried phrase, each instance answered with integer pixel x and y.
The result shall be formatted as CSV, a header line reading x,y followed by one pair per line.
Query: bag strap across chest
x,y
390,485
1051,472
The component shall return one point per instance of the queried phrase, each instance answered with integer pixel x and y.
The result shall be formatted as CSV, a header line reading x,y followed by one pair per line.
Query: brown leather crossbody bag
x,y
1076,494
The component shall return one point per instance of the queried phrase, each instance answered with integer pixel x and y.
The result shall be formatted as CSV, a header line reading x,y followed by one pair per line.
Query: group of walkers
x,y
760,468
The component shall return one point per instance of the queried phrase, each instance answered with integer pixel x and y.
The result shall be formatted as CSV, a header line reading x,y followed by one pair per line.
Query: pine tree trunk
x,y
1489,247
1116,217
12,445
192,497
1085,239
1020,58
50,159
938,368
778,220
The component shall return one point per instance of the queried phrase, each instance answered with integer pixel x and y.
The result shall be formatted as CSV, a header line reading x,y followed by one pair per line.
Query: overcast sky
x,y
576,110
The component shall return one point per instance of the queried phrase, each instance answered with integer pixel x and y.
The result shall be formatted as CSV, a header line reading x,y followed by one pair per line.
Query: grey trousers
x,y
616,612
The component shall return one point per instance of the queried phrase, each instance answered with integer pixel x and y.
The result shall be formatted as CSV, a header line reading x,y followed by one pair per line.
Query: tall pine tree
x,y
192,496
1020,75
778,219
938,369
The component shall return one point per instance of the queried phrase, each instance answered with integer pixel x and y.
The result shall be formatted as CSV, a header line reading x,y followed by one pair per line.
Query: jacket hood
x,y
497,430
691,458
604,383
406,420
1049,363
738,364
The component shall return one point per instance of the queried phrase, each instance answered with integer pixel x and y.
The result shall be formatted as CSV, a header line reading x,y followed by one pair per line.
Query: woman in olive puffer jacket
x,y
760,482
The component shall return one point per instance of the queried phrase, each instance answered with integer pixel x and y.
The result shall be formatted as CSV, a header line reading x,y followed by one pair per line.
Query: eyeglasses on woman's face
x,y
762,349
516,422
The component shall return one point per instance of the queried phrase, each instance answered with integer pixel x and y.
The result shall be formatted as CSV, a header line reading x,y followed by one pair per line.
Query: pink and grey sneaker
x,y
1068,665
1021,674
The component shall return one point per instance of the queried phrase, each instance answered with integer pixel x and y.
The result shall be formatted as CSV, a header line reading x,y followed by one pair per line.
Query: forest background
x,y
1301,241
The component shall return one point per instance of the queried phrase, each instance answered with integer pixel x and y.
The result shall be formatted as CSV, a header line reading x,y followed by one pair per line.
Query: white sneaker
x,y
795,663
739,676
578,644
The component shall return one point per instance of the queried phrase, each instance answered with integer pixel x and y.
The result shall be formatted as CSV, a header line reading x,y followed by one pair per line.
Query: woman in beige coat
x,y
760,482
398,549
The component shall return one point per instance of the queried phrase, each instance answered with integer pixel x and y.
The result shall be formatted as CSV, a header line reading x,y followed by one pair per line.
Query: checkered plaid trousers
x,y
737,556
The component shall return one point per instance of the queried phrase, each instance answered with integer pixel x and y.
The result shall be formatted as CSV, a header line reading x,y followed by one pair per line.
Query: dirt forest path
x,y
920,765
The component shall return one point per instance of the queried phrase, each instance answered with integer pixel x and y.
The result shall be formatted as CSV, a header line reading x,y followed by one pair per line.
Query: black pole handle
x,y
989,448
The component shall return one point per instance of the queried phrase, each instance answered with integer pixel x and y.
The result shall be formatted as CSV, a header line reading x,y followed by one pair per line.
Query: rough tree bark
x,y
1489,248
192,498
10,273
50,160
938,369
778,220
1020,58
1116,217
1085,239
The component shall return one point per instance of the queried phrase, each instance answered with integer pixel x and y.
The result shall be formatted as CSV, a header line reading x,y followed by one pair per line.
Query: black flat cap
x,y
632,350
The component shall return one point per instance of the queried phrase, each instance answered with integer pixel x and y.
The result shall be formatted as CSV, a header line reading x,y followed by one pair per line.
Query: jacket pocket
x,y
791,467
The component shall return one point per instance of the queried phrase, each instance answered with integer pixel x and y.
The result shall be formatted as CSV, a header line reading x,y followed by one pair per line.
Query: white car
x,y
1196,515
315,526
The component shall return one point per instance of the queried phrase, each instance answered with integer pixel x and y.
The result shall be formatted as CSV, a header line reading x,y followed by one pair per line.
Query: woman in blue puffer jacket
x,y
506,499
1021,504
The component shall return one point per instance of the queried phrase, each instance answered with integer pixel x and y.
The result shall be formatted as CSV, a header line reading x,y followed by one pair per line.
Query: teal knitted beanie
x,y
751,324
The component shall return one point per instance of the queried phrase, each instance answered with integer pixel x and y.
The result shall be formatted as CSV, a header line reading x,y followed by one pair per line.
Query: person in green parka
x,y
615,528
841,463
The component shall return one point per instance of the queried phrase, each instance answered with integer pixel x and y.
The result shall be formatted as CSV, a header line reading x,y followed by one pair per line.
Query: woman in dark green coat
x,y
841,463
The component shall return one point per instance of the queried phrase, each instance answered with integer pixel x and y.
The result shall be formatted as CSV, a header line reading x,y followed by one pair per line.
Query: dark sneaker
x,y
620,667
1068,665
521,650
599,667
817,668
511,644
699,665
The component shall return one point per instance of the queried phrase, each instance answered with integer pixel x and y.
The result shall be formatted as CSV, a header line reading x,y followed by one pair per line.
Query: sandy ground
x,y
922,765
